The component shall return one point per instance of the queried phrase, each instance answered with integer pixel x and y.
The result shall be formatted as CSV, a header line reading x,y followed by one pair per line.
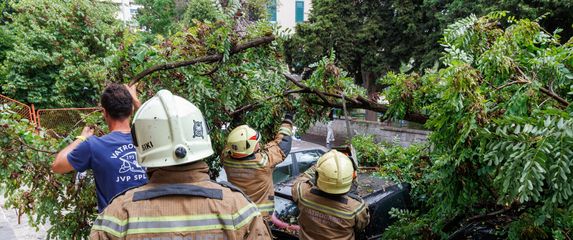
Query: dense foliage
x,y
243,87
166,17
30,186
501,121
160,16
56,47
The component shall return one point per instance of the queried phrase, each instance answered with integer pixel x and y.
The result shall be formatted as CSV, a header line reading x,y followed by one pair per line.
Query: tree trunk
x,y
369,81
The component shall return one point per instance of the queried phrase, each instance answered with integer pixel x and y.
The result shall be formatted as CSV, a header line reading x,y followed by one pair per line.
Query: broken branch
x,y
381,108
35,149
205,59
358,102
544,90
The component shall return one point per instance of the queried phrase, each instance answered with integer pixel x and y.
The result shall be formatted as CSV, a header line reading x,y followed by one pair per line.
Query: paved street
x,y
11,230
321,140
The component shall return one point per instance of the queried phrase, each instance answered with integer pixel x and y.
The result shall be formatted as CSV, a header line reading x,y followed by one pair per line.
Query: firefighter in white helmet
x,y
327,209
250,166
179,201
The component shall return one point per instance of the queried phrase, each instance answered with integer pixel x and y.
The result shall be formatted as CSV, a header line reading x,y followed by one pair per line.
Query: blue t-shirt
x,y
113,160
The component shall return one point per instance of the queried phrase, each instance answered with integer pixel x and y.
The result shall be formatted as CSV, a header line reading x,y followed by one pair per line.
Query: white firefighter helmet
x,y
335,172
169,130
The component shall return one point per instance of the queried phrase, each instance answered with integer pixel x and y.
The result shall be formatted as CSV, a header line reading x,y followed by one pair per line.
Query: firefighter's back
x,y
215,212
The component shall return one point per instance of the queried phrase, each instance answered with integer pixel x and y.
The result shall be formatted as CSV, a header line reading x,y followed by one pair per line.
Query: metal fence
x,y
58,121
20,108
63,120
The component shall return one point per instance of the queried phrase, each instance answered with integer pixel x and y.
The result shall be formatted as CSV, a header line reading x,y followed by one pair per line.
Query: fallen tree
x,y
495,143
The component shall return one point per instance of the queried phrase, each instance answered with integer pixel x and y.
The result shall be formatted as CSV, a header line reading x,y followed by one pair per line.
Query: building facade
x,y
127,11
287,13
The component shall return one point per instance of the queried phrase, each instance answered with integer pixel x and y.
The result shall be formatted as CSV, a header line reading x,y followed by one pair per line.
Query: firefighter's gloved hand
x,y
289,118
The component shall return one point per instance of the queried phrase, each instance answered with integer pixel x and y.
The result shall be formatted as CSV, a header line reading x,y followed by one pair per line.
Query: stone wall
x,y
382,132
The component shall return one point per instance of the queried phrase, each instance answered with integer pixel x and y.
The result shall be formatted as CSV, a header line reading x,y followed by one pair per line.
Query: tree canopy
x,y
374,37
233,78
57,47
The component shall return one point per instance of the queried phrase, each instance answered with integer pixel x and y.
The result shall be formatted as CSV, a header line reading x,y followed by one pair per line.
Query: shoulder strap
x,y
233,188
359,199
178,189
121,193
337,198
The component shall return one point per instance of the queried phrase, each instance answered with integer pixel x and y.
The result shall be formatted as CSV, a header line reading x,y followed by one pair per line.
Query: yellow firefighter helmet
x,y
242,141
335,172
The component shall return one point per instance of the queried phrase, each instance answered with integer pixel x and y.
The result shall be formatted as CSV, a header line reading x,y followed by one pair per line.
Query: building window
x,y
299,11
272,8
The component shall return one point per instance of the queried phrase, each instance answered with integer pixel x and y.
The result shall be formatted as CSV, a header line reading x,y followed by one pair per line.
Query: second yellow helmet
x,y
242,141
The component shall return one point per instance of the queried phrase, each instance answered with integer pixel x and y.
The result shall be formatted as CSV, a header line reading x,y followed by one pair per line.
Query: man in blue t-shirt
x,y
112,157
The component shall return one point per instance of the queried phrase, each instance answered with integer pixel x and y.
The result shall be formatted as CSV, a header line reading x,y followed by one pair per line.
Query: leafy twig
x,y
84,118
524,79
511,83
254,105
216,68
35,149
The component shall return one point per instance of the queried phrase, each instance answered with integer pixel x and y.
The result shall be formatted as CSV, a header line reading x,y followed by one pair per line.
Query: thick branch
x,y
319,93
376,107
300,85
205,59
358,102
546,91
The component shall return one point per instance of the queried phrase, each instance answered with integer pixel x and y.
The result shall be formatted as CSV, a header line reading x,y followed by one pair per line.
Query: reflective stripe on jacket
x,y
181,203
323,216
254,174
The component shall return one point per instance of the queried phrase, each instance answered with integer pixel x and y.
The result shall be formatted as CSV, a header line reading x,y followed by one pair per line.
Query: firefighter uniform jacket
x,y
254,174
324,216
180,202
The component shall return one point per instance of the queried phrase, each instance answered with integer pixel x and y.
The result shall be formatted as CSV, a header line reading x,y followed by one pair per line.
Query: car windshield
x,y
283,170
306,159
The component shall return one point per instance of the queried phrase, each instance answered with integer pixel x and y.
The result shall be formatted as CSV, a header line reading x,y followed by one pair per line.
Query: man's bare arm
x,y
61,164
133,91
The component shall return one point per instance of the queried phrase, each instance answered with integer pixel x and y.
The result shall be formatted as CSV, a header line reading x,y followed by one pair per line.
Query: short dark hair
x,y
117,101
